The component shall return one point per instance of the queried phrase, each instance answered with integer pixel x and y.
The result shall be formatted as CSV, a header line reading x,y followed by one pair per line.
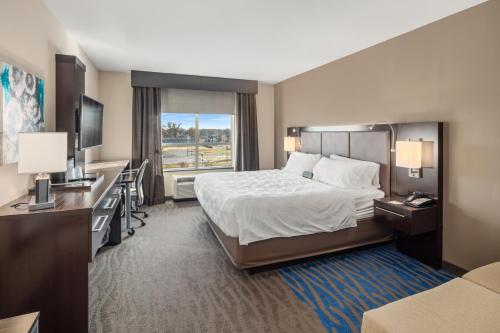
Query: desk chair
x,y
137,193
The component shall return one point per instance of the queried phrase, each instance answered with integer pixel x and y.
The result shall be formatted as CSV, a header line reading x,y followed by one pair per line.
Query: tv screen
x,y
90,129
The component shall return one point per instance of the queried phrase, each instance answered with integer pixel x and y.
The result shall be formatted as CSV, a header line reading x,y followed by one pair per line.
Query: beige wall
x,y
116,95
447,71
265,124
30,36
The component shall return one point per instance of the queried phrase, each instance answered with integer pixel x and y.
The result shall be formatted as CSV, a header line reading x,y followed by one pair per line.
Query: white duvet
x,y
258,205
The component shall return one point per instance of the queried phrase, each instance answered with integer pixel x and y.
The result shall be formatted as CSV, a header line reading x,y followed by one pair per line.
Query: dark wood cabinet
x,y
70,85
44,255
417,230
411,221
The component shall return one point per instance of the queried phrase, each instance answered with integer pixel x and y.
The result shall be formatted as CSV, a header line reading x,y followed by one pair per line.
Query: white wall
x,y
30,36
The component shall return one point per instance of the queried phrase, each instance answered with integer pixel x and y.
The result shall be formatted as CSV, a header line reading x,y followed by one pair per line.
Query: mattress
x,y
363,200
258,205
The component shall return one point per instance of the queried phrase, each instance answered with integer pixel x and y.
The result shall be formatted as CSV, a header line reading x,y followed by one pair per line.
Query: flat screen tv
x,y
90,123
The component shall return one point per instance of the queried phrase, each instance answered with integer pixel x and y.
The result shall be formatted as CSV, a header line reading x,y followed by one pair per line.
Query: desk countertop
x,y
69,200
19,324
105,164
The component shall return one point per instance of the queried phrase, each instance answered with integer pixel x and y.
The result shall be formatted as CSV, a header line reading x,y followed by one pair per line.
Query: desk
x,y
44,254
27,323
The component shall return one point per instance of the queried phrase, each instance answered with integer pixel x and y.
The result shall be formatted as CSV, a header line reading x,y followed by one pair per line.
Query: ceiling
x,y
265,40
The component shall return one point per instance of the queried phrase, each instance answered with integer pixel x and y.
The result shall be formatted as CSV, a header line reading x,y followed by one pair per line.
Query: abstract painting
x,y
21,108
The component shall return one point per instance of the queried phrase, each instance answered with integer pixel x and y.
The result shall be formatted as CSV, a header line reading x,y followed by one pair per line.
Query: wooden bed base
x,y
283,249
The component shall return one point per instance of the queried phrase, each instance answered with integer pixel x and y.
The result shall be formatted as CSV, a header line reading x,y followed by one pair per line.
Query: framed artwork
x,y
21,108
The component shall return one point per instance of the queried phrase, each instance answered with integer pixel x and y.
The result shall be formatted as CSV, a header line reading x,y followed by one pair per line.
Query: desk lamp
x,y
42,153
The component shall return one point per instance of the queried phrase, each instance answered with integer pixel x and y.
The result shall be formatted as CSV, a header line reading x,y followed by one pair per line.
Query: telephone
x,y
418,199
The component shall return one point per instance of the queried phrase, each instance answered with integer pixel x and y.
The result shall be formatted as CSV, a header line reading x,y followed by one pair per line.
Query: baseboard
x,y
454,269
185,199
171,198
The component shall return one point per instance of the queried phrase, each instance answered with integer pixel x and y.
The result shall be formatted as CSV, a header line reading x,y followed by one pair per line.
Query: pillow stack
x,y
337,170
348,173
373,167
300,162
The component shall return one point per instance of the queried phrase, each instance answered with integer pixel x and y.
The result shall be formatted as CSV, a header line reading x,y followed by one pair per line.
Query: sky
x,y
220,121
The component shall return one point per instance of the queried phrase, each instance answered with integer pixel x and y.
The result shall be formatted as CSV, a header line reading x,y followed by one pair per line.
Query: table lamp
x,y
42,153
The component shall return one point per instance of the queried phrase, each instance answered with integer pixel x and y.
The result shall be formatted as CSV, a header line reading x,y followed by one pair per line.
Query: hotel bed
x,y
258,205
265,217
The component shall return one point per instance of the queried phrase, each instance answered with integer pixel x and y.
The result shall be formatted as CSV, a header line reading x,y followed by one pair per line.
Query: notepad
x,y
394,202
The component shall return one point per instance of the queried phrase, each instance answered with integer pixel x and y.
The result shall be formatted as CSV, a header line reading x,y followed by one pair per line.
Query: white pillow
x,y
374,167
344,174
300,162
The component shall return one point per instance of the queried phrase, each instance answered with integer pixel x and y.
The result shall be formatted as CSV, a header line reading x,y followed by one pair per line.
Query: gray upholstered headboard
x,y
363,145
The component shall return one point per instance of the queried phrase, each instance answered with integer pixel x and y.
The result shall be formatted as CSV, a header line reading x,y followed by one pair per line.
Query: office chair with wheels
x,y
137,193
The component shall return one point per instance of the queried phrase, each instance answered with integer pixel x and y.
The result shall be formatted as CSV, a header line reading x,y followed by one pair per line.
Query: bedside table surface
x,y
387,202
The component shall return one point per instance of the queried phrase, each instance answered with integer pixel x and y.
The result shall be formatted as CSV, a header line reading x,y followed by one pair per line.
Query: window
x,y
196,141
197,129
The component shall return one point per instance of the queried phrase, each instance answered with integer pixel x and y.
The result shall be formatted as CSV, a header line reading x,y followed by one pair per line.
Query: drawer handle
x,y
100,223
111,203
388,211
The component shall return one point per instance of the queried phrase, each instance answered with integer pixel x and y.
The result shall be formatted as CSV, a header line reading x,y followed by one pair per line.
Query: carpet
x,y
341,288
173,276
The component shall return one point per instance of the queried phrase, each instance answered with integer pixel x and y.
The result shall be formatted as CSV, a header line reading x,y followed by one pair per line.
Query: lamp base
x,y
33,205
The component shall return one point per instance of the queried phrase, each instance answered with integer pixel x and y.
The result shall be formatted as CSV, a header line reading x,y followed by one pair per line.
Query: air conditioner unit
x,y
183,187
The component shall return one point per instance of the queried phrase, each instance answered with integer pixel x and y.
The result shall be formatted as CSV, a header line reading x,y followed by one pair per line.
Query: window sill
x,y
195,170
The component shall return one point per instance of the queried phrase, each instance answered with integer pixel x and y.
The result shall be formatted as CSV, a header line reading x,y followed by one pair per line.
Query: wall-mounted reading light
x,y
393,136
414,155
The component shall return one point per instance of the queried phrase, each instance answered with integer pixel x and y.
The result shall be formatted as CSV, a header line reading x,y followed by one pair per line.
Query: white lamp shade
x,y
42,152
290,143
414,154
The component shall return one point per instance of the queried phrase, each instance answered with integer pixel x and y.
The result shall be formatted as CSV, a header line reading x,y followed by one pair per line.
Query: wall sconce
x,y
291,143
414,155
393,133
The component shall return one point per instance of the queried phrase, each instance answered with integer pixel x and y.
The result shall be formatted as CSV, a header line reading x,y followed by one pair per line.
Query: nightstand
x,y
417,230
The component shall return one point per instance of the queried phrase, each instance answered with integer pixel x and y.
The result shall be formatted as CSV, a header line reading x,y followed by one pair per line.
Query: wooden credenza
x,y
44,255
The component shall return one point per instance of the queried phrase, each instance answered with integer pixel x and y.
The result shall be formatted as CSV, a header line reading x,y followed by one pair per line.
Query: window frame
x,y
197,145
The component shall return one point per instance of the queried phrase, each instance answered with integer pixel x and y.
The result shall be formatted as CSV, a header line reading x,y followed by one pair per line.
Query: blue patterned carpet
x,y
341,288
